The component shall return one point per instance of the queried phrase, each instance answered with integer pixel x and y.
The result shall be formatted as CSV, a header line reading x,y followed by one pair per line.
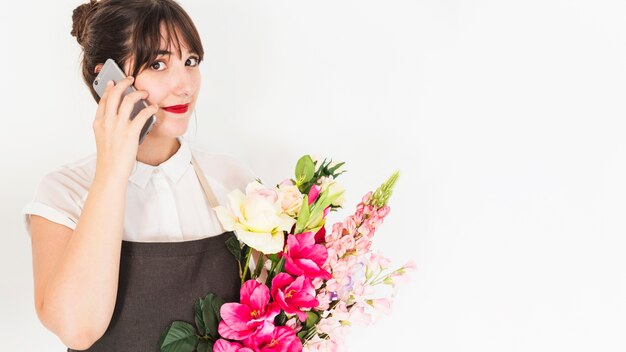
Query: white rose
x,y
256,217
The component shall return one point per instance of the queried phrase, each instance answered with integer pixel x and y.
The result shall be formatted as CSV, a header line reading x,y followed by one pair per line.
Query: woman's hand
x,y
117,137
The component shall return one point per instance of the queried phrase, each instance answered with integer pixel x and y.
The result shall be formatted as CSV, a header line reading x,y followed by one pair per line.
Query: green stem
x,y
245,269
382,279
373,279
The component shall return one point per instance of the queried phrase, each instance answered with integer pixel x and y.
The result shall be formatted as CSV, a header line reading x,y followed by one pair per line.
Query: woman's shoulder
x,y
75,176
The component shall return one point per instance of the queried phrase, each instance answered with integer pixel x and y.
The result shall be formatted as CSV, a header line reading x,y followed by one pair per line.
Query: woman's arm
x,y
76,273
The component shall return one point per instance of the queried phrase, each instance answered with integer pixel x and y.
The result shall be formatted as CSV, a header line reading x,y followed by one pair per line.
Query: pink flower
x,y
359,315
294,324
366,197
320,235
323,297
333,285
347,242
270,338
317,282
304,257
240,320
313,193
294,295
335,233
382,304
410,265
222,345
363,244
349,225
382,212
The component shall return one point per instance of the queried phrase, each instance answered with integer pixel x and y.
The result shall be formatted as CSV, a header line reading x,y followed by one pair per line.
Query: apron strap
x,y
205,185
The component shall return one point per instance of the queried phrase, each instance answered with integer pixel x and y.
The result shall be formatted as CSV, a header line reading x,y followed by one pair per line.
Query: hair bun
x,y
80,15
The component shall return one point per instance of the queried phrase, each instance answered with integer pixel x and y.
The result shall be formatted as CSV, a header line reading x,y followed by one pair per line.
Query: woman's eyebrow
x,y
167,52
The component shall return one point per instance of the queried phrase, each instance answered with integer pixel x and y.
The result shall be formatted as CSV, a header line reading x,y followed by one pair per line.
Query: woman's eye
x,y
196,60
155,65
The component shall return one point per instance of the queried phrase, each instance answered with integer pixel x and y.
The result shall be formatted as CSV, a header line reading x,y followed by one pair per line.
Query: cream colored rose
x,y
291,198
257,217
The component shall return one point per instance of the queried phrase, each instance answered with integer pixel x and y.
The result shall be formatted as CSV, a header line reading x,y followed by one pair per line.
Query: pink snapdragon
x,y
294,295
304,257
240,320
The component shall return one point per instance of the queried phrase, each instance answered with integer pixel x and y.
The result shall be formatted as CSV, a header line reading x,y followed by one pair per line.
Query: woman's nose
x,y
183,82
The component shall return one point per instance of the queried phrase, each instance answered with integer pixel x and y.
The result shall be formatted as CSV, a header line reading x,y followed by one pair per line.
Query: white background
x,y
505,119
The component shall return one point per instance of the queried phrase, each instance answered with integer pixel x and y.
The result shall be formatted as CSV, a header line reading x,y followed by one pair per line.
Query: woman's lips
x,y
177,109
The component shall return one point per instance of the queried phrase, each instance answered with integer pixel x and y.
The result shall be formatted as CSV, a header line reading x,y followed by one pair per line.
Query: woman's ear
x,y
98,68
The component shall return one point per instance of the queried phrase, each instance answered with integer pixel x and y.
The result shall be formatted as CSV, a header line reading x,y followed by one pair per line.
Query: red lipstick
x,y
177,109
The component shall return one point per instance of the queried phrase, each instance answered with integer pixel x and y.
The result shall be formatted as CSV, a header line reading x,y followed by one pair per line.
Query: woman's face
x,y
170,80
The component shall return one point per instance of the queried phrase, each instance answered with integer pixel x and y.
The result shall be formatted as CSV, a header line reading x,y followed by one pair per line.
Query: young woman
x,y
126,239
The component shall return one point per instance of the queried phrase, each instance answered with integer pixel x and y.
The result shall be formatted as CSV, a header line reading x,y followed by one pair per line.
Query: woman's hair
x,y
121,29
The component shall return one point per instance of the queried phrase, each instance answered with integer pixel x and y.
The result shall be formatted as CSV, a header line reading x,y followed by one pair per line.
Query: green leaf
x,y
303,215
259,266
179,336
211,305
204,346
306,334
232,243
332,198
280,319
317,213
312,319
305,169
332,169
198,317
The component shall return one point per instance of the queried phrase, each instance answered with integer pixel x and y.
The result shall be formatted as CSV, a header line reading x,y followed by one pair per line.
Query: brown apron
x,y
160,281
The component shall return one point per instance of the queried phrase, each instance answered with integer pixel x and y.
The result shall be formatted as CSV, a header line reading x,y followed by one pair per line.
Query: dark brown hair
x,y
119,29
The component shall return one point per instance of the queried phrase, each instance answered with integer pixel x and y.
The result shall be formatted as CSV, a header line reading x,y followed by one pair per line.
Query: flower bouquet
x,y
301,286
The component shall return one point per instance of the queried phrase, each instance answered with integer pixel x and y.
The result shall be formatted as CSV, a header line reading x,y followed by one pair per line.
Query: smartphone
x,y
112,72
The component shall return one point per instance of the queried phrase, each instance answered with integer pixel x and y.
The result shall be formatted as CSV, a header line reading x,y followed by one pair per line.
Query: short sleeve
x,y
59,197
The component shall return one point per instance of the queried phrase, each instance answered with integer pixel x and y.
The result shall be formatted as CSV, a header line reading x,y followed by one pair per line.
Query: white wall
x,y
505,119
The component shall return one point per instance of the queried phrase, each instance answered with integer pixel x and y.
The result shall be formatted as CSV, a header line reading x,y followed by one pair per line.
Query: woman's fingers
x,y
140,120
128,104
100,111
115,95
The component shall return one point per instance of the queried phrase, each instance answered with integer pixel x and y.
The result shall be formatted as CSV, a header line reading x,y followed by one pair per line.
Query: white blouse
x,y
164,203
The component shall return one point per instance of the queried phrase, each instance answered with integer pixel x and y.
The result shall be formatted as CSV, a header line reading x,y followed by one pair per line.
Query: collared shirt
x,y
164,203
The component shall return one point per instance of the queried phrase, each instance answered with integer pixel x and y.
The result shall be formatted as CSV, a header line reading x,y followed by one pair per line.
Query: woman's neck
x,y
153,150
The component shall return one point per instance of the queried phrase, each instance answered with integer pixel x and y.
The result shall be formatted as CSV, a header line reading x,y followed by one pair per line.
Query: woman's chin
x,y
171,126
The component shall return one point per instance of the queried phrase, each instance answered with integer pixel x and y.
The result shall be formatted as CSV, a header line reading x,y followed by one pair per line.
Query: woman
x,y
125,240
